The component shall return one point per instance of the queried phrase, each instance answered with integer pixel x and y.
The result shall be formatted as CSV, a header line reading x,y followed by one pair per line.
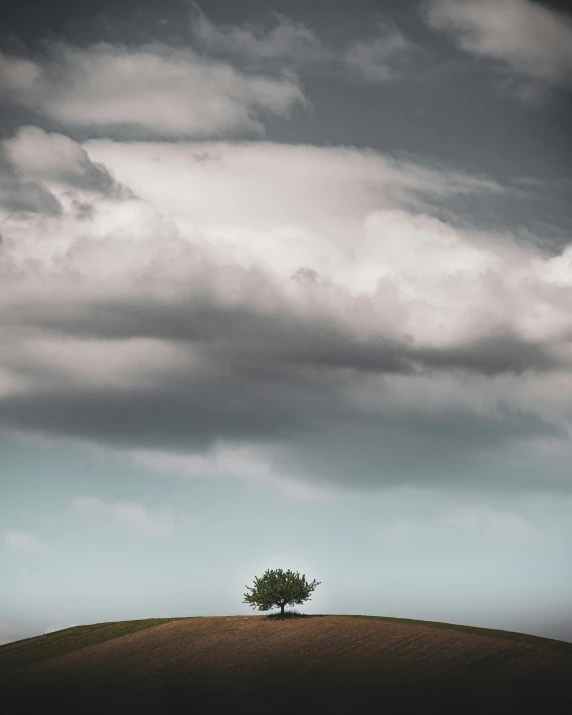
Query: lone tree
x,y
279,588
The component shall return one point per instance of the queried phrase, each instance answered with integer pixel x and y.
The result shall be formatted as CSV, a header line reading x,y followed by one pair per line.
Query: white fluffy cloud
x,y
168,325
157,89
132,516
531,38
292,193
338,211
56,159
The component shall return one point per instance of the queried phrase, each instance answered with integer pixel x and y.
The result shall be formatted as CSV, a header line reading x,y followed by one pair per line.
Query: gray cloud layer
x,y
57,158
187,353
377,59
287,40
23,195
165,91
532,39
382,58
293,299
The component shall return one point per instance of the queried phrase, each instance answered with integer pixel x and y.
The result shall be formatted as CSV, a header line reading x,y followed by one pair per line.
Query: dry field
x,y
309,664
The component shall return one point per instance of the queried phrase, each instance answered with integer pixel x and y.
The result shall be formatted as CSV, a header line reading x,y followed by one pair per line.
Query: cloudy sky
x,y
287,285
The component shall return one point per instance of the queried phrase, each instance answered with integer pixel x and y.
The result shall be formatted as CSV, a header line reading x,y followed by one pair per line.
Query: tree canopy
x,y
278,588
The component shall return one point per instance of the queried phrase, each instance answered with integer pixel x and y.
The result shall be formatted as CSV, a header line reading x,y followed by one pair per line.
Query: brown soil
x,y
312,664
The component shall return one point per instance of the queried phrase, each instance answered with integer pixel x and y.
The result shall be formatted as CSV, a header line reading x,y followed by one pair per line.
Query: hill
x,y
311,663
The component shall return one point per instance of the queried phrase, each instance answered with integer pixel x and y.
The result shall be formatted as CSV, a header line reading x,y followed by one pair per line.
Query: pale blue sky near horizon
x,y
286,287
403,553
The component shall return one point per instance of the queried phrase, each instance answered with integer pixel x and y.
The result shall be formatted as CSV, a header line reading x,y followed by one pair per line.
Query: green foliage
x,y
279,588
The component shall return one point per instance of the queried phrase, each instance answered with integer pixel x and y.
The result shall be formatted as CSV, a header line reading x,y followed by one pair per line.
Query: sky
x,y
286,285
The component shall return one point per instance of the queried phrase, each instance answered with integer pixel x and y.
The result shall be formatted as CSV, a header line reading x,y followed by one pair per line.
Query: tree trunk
x,y
282,607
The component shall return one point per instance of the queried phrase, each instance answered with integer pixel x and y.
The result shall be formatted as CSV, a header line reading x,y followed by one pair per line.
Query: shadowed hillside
x,y
276,665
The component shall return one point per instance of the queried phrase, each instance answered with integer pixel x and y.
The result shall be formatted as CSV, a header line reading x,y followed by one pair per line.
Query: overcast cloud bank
x,y
287,298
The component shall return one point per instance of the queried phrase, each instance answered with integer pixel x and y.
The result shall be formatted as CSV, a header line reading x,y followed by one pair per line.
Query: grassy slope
x,y
493,632
32,650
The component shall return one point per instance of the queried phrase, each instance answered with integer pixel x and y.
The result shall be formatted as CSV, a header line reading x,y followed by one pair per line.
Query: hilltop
x,y
209,664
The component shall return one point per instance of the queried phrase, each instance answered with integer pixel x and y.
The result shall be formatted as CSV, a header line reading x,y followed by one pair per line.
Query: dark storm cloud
x,y
261,372
249,339
493,355
194,412
307,409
